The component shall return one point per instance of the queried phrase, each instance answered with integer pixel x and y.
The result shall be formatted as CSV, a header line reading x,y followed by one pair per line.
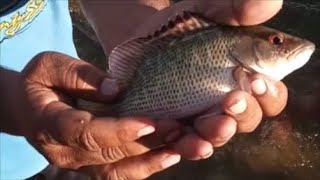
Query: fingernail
x,y
258,86
108,87
145,131
222,140
172,136
170,160
207,153
239,107
229,132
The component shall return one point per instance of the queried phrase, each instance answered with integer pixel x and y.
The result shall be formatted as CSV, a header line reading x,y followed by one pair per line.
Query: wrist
x,y
13,106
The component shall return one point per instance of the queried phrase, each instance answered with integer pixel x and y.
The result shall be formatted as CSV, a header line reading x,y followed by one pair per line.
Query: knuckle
x,y
87,140
69,74
115,174
43,59
113,154
36,64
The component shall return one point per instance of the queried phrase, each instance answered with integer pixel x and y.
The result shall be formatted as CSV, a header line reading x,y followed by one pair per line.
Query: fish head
x,y
271,52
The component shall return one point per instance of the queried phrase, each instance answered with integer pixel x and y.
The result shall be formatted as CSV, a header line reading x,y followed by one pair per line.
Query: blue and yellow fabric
x,y
28,27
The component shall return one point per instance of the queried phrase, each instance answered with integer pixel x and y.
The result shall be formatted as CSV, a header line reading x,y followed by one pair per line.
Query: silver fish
x,y
188,66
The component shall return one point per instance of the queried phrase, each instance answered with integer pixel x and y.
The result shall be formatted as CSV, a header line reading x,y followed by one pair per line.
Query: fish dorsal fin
x,y
126,58
182,24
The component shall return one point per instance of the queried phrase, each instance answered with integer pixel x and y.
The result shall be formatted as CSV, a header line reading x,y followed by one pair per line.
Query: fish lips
x,y
302,54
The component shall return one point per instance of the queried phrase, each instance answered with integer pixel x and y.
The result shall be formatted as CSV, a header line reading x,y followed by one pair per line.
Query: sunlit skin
x,y
106,147
149,18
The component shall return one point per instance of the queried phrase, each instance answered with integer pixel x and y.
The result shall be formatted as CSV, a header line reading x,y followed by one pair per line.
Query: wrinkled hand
x,y
103,147
243,111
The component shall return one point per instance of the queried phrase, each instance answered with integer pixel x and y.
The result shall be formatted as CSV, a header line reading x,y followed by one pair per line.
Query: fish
x,y
189,65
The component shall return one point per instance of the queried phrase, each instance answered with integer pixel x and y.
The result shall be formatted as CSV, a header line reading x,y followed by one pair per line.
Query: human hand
x,y
103,147
243,111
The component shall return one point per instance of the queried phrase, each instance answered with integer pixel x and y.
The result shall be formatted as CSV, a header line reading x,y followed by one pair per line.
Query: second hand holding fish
x,y
243,110
189,65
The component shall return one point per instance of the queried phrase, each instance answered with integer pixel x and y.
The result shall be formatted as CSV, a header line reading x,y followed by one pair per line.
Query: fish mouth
x,y
306,50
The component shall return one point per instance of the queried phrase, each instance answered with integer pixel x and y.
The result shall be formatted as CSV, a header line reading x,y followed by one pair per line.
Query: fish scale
x,y
181,79
188,67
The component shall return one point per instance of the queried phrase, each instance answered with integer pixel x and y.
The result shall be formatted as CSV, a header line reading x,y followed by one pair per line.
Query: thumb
x,y
239,12
70,76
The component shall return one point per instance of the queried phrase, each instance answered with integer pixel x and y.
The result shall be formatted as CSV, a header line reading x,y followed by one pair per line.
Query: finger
x,y
272,96
244,108
80,129
166,132
193,147
217,130
239,12
72,158
76,77
231,12
139,167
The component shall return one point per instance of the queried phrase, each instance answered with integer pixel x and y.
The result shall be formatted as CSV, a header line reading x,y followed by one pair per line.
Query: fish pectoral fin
x,y
211,112
241,75
125,59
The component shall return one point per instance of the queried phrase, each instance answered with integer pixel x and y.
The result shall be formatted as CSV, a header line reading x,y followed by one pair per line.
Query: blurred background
x,y
284,147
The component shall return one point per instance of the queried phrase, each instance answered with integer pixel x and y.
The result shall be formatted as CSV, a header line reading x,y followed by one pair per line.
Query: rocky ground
x,y
285,147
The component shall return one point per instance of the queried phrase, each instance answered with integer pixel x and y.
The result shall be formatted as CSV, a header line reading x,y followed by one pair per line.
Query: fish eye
x,y
276,39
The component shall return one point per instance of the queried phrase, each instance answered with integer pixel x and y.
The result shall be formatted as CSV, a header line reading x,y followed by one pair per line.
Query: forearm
x,y
117,21
13,107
